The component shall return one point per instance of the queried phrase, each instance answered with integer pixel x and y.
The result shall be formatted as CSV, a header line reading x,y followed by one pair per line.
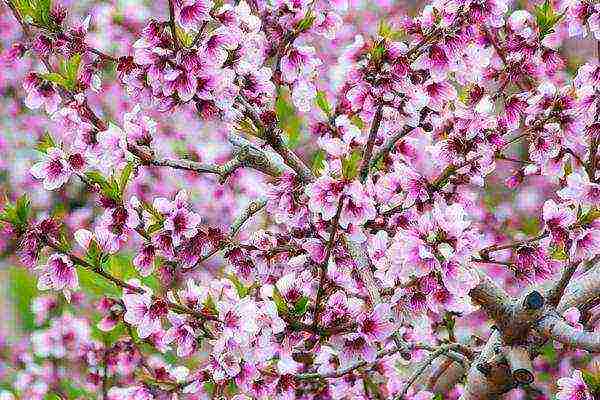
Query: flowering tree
x,y
301,199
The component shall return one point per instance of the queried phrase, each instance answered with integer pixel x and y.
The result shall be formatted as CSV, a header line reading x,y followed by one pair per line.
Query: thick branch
x,y
555,327
366,161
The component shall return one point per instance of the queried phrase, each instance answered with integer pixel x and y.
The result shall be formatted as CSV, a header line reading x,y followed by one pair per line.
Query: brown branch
x,y
173,25
555,327
366,161
323,267
248,212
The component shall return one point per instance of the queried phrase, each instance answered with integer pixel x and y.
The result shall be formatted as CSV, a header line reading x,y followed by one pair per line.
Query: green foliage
x,y
546,18
592,380
282,307
185,38
242,290
318,161
112,187
37,11
17,213
301,306
558,253
351,165
323,104
21,290
68,72
289,121
305,23
378,51
45,142
386,31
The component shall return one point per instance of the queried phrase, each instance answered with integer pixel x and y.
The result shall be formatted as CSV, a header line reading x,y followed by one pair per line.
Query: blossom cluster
x,y
295,199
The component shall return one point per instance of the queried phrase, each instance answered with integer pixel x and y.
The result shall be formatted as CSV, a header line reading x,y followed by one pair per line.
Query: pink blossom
x,y
59,273
573,388
55,169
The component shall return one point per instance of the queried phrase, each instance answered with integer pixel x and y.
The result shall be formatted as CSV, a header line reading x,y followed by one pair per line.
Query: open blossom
x,y
558,219
41,93
580,190
180,221
573,388
192,12
142,311
55,169
59,273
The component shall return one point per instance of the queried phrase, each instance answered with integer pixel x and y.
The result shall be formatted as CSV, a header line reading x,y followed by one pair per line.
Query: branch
x,y
389,145
250,210
172,25
124,285
519,360
492,298
363,267
272,135
323,267
555,327
582,292
341,372
366,161
555,293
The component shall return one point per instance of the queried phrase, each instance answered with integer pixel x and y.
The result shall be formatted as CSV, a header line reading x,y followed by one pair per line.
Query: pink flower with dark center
x,y
354,347
573,388
143,312
558,219
580,190
181,82
55,169
192,12
358,207
40,93
144,260
180,221
376,326
181,333
299,61
324,195
532,263
59,273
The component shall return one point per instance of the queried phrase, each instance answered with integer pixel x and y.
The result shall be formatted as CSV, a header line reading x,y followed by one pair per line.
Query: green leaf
x,y
239,286
185,38
280,302
110,188
301,306
378,52
56,78
546,18
45,142
323,104
22,288
318,161
592,380
386,31
72,68
559,253
43,8
305,23
289,121
17,213
124,178
351,164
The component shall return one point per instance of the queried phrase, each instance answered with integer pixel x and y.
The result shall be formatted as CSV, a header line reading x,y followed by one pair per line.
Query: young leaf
x,y
56,78
289,121
45,142
350,165
323,103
